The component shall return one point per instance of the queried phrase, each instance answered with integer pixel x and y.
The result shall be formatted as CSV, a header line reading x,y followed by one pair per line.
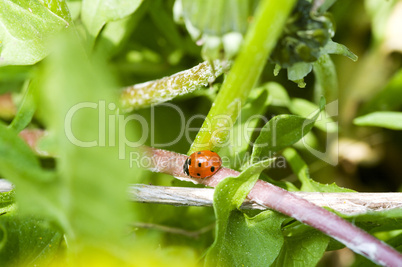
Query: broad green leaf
x,y
25,27
59,8
247,241
385,119
242,240
27,241
282,131
303,248
300,168
309,140
77,104
25,111
95,13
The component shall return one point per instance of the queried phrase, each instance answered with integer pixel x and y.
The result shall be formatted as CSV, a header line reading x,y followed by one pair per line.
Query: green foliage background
x,y
72,209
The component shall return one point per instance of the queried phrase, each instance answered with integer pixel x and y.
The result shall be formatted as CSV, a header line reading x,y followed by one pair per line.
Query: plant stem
x,y
154,92
345,203
259,41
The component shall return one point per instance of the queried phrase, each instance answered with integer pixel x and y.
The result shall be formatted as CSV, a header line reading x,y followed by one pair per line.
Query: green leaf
x,y
19,165
59,8
220,25
385,119
26,110
116,33
27,241
378,221
24,43
334,48
17,161
388,98
298,71
324,6
326,80
288,186
283,131
74,8
7,200
95,13
242,240
77,105
303,248
305,108
12,78
277,94
309,141
300,168
164,22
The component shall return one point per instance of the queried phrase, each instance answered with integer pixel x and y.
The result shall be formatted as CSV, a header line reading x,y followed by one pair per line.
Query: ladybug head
x,y
185,167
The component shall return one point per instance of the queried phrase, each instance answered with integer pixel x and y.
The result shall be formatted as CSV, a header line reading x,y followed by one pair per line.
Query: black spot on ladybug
x,y
189,161
199,164
199,153
212,169
198,174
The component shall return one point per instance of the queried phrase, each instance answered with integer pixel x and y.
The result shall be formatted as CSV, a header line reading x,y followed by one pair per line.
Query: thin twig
x,y
345,203
174,230
162,90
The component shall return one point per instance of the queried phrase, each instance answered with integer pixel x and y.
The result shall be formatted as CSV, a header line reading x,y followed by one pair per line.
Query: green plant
x,y
62,69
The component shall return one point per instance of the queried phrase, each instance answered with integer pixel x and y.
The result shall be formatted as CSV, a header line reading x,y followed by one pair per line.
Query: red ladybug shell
x,y
202,164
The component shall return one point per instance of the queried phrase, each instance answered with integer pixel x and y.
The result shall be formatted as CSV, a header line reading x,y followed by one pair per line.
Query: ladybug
x,y
202,164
